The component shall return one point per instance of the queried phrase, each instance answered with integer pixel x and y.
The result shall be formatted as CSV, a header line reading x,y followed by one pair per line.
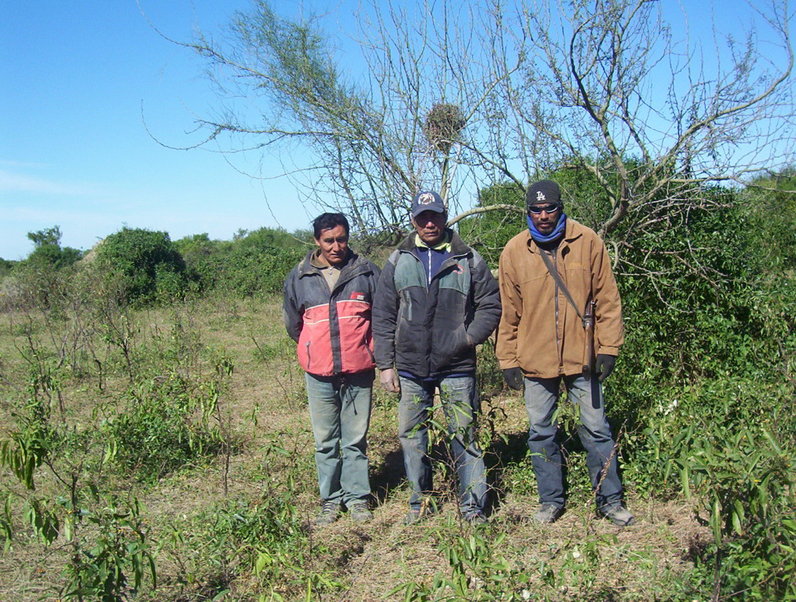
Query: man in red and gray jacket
x,y
327,311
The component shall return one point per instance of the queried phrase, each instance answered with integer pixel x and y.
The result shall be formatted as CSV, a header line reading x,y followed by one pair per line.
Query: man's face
x,y
430,226
333,243
545,216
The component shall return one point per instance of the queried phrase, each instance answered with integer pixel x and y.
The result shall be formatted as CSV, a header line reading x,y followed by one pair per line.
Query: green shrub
x,y
255,263
489,232
106,540
477,571
166,425
772,205
260,261
43,279
6,266
729,446
48,253
144,265
118,559
734,319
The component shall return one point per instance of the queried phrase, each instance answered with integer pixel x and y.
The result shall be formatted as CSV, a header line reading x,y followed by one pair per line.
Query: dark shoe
x,y
474,517
548,513
618,514
328,514
359,513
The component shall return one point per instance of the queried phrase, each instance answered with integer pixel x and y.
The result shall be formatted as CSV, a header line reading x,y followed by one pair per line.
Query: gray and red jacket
x,y
332,328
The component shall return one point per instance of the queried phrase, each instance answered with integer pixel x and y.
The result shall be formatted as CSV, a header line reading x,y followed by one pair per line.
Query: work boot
x,y
359,513
617,514
328,514
547,513
474,517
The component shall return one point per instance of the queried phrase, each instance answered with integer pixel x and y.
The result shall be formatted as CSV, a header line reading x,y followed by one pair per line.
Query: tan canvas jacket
x,y
542,334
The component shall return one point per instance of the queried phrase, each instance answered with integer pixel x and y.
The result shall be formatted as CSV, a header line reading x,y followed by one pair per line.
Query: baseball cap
x,y
427,201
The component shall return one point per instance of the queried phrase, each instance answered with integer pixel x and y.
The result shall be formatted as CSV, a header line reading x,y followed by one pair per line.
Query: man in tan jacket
x,y
543,339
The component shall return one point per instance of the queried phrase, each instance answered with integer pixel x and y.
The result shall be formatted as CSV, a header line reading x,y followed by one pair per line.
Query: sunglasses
x,y
537,209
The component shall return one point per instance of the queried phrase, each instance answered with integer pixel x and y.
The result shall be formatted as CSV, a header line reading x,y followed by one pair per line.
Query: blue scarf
x,y
557,232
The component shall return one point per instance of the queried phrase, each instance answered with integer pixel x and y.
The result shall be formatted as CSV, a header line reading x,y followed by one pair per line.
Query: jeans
x,y
541,399
340,416
460,405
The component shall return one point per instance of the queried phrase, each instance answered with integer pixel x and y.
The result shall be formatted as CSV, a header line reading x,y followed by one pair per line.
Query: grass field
x,y
178,440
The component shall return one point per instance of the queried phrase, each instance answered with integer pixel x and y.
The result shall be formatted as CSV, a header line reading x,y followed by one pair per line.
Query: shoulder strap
x,y
557,277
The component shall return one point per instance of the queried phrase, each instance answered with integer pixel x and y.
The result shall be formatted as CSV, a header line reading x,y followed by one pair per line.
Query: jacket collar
x,y
458,246
306,267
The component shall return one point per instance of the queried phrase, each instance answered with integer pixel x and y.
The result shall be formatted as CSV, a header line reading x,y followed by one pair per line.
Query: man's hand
x,y
513,378
604,366
389,380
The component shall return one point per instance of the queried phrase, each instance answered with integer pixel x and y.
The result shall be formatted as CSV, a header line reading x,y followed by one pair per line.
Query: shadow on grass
x,y
389,474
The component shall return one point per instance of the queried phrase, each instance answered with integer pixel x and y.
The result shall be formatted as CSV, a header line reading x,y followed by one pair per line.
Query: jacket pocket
x,y
452,346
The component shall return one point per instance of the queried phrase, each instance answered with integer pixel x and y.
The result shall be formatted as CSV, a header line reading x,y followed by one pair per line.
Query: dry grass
x,y
264,408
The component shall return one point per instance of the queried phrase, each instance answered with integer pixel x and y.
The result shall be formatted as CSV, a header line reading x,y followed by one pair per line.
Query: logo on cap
x,y
540,196
425,199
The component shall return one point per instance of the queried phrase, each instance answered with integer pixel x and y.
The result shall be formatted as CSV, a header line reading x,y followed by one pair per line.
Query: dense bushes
x,y
253,263
5,267
704,388
41,278
48,252
141,267
165,426
144,264
703,393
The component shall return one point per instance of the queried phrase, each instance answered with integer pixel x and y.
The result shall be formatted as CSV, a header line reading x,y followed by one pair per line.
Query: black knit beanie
x,y
544,191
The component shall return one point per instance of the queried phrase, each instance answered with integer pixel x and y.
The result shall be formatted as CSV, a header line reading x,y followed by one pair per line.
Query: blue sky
x,y
80,79
74,150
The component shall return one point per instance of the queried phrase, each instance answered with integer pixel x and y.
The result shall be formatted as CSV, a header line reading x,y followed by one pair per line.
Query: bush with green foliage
x,y
144,265
489,232
772,206
735,318
48,252
259,261
42,278
166,425
107,541
254,263
6,266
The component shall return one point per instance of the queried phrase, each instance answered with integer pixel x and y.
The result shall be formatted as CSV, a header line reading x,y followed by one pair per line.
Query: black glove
x,y
513,378
604,366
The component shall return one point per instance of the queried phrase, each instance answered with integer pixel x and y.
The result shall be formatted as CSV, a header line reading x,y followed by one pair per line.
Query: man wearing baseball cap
x,y
560,306
436,300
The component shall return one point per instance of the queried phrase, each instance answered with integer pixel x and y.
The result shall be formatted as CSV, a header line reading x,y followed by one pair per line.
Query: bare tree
x,y
462,97
646,116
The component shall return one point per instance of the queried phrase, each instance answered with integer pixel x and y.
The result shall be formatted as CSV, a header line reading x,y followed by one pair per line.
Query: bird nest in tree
x,y
443,125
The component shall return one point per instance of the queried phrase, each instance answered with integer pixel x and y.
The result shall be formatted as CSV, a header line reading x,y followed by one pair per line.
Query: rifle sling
x,y
557,277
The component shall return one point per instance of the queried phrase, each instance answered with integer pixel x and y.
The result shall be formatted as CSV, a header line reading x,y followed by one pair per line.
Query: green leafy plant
x,y
144,266
116,559
254,263
109,551
476,571
728,446
167,424
265,539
